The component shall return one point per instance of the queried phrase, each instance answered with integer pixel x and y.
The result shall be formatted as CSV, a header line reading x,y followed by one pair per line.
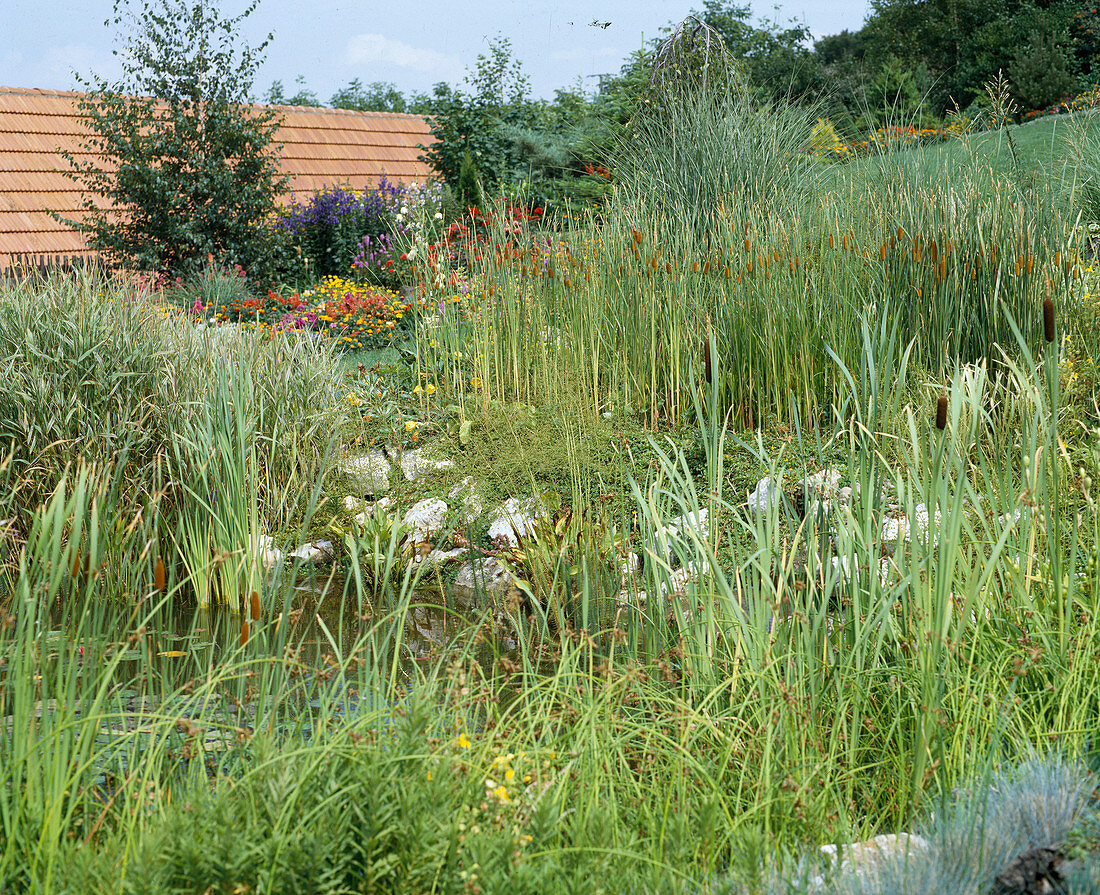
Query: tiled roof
x,y
320,147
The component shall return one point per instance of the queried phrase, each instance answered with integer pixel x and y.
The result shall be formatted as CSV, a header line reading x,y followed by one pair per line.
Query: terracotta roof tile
x,y
321,148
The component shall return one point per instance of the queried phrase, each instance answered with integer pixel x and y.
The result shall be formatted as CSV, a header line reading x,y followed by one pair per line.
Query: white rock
x,y
369,471
471,500
314,552
425,519
486,575
866,859
696,520
436,558
764,497
270,555
415,465
352,504
629,569
825,482
898,528
385,503
513,520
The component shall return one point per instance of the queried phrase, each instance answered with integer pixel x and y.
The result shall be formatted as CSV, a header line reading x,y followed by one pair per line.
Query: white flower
x,y
399,218
411,253
439,215
404,209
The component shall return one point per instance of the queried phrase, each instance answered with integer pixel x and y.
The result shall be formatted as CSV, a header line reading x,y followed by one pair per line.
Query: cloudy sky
x,y
412,44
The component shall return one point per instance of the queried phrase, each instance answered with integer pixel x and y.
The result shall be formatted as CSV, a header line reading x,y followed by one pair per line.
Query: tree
x,y
276,96
378,96
184,164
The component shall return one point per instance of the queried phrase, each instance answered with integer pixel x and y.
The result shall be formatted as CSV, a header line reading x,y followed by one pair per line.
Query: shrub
x,y
183,163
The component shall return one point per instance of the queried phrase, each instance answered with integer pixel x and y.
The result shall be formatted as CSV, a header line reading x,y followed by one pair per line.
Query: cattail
x,y
882,252
76,563
941,412
748,245
901,233
790,264
1048,319
775,255
943,269
668,267
255,605
1029,264
637,236
706,267
653,262
844,243
158,576
1057,258
797,263
830,240
726,271
934,249
749,269
1019,267
244,633
695,267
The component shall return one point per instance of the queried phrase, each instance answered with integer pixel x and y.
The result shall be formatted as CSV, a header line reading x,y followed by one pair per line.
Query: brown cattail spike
x,y
1048,319
941,412
244,633
255,606
637,236
158,575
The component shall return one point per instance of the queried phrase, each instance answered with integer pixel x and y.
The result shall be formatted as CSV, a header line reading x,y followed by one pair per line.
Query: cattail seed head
x,y
637,236
748,245
244,633
882,252
1048,319
255,605
158,576
941,412
76,563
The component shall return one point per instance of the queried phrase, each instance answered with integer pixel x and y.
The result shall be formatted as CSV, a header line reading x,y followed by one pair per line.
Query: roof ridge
x,y
328,110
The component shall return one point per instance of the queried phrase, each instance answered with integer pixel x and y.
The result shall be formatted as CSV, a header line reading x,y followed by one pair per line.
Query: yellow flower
x,y
501,793
353,399
418,390
475,382
431,389
410,425
462,741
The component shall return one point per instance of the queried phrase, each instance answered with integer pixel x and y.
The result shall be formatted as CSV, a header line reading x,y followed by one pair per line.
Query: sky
x,y
561,44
